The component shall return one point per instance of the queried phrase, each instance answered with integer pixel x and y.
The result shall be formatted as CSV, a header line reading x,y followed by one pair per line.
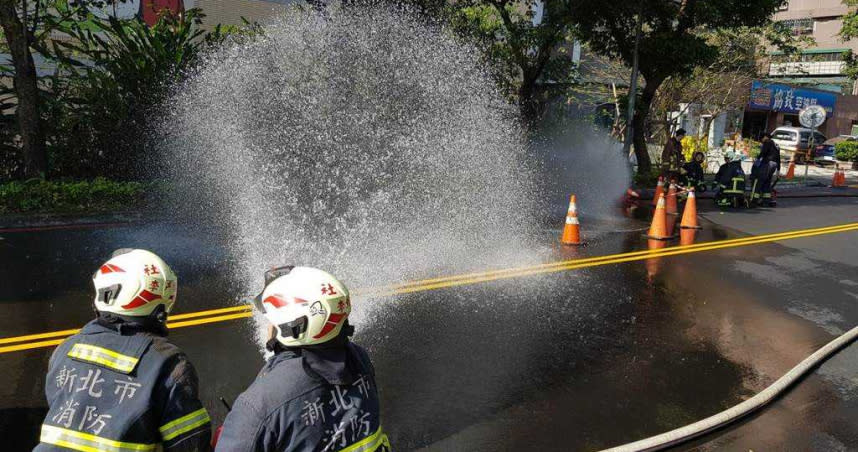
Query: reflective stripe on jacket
x,y
118,388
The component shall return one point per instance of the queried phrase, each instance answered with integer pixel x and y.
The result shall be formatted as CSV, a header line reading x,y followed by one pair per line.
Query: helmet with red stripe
x,y
134,283
305,305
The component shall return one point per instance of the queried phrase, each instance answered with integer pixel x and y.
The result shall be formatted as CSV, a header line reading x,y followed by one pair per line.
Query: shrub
x,y
647,180
846,151
97,195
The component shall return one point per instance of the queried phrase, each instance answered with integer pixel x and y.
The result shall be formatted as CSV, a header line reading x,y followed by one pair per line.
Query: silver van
x,y
795,141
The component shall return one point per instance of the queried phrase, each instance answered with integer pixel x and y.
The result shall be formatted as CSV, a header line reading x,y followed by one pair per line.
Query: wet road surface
x,y
576,360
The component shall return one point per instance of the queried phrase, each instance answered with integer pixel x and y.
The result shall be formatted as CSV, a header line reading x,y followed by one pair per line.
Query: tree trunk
x,y
26,89
642,107
528,102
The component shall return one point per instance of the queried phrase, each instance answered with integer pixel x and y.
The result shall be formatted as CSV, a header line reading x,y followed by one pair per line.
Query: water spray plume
x,y
361,142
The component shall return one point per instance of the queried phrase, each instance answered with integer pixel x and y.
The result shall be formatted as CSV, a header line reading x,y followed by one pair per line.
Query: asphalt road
x,y
572,360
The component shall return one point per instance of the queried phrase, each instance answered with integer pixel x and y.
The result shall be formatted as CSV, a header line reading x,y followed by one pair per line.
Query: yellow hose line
x,y
238,312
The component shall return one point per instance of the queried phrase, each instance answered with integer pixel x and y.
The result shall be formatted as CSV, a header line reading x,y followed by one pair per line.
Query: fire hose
x,y
743,409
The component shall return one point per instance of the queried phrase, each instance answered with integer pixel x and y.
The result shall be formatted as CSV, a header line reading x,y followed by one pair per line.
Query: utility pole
x,y
633,89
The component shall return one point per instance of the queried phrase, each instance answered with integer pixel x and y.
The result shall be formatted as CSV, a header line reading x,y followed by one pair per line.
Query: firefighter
x,y
693,175
672,158
118,384
317,390
765,171
730,181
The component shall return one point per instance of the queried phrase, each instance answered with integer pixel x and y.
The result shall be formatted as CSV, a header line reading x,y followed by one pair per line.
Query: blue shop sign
x,y
788,99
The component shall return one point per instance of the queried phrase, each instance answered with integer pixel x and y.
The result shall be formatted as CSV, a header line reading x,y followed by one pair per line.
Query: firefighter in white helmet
x,y
317,391
118,384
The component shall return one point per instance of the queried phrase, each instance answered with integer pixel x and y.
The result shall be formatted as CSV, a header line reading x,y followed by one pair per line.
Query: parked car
x,y
795,141
823,154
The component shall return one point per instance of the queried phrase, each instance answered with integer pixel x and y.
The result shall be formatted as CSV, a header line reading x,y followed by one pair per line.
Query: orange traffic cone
x,y
571,233
670,200
689,215
658,228
791,170
659,190
839,179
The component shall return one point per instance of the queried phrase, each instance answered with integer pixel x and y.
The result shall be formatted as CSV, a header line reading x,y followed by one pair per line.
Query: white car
x,y
795,141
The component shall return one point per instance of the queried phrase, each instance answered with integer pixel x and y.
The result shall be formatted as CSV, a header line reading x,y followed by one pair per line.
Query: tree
x,y
529,55
19,37
525,43
848,31
671,43
27,28
115,74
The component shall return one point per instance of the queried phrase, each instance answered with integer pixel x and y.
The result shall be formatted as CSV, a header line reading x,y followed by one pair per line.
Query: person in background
x,y
693,175
118,384
671,156
764,173
317,392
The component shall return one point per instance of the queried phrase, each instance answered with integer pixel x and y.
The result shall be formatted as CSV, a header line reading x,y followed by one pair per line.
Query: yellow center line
x,y
238,312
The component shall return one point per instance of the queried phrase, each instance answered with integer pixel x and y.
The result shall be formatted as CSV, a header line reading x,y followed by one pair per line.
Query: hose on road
x,y
743,409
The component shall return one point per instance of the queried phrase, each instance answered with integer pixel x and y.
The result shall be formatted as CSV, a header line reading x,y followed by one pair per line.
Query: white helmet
x,y
134,283
306,305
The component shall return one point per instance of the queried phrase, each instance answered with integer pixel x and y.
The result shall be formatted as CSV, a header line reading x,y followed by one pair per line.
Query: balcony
x,y
806,68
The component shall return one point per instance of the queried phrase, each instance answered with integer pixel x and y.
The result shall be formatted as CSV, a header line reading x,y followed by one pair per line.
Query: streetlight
x,y
633,86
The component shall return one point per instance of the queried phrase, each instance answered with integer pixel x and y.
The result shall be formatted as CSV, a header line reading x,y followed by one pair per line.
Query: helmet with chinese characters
x,y
305,305
134,283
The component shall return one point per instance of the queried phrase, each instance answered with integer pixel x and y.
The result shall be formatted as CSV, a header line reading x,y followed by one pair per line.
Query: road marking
x,y
238,312
64,227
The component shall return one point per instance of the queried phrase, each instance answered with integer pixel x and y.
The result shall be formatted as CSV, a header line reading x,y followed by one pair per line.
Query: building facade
x,y
820,66
816,76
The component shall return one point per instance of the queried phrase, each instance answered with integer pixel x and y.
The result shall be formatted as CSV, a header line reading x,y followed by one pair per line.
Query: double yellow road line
x,y
32,341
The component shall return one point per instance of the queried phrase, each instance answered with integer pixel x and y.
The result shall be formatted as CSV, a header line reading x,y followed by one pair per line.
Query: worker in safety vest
x,y
730,180
118,384
317,390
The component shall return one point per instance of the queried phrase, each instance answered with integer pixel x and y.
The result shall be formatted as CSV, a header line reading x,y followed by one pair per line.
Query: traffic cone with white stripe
x,y
571,231
659,190
658,228
689,215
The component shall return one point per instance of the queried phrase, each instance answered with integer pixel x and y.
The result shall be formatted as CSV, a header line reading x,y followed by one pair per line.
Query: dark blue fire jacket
x,y
119,387
289,407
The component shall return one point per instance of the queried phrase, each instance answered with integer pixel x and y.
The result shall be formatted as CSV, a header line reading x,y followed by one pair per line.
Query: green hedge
x,y
100,194
846,151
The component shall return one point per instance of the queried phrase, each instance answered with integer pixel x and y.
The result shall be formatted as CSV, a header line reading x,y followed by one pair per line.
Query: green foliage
x,y
98,194
849,31
114,76
755,148
846,151
647,179
530,62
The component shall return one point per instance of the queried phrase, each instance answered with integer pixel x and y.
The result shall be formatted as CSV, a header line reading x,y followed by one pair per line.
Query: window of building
x,y
784,6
